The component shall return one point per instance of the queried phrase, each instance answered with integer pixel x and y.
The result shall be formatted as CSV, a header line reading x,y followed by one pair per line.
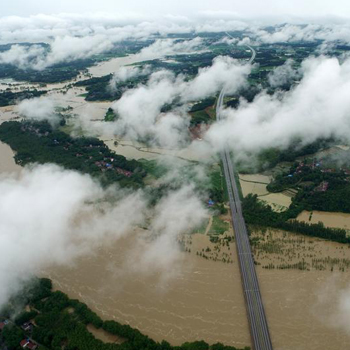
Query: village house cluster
x,y
27,327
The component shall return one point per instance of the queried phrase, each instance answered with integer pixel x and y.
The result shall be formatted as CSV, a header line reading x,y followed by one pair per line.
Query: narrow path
x,y
209,225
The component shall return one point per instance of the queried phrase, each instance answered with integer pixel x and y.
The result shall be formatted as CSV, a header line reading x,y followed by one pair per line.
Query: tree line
x,y
260,214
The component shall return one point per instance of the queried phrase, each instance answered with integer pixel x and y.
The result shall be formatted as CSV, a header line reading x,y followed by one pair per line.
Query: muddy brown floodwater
x,y
335,220
201,300
112,65
135,150
297,319
7,162
302,306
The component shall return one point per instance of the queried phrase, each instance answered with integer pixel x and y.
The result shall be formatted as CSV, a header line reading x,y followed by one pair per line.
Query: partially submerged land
x,y
51,319
202,300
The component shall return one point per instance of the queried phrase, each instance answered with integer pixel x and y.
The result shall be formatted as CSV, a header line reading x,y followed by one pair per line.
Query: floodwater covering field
x,y
202,298
191,300
335,220
135,150
7,162
302,308
199,298
256,184
306,308
66,94
112,65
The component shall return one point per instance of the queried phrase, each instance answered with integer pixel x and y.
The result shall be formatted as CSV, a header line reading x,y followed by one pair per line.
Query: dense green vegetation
x,y
99,89
57,73
217,188
260,214
61,321
8,97
271,157
38,142
154,168
67,70
200,117
203,104
318,188
218,226
110,115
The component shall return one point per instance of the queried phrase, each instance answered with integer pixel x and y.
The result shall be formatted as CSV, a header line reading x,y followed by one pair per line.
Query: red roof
x,y
24,342
32,345
28,344
2,325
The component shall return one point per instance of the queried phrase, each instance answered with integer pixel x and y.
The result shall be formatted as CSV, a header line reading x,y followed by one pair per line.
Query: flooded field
x,y
256,184
200,297
7,162
304,306
136,150
8,113
203,298
299,311
194,299
337,220
111,66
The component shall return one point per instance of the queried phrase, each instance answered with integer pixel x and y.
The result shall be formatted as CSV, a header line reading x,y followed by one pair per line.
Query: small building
x,y
28,344
3,324
27,327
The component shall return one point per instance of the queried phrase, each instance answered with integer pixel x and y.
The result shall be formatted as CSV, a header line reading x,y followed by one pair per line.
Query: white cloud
x,y
225,72
328,32
23,56
62,49
139,109
283,74
332,303
74,36
128,72
51,216
42,108
318,107
161,48
226,9
179,212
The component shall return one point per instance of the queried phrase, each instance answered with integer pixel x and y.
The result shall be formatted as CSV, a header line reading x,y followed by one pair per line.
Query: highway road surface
x,y
255,309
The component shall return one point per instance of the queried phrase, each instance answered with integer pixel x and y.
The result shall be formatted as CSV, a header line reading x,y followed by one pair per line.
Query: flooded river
x,y
298,317
198,299
203,298
111,66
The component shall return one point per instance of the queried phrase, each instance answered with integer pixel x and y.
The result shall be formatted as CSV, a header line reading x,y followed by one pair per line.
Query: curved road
x,y
256,314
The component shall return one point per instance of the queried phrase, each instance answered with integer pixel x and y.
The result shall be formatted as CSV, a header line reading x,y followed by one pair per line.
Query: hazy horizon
x,y
154,8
